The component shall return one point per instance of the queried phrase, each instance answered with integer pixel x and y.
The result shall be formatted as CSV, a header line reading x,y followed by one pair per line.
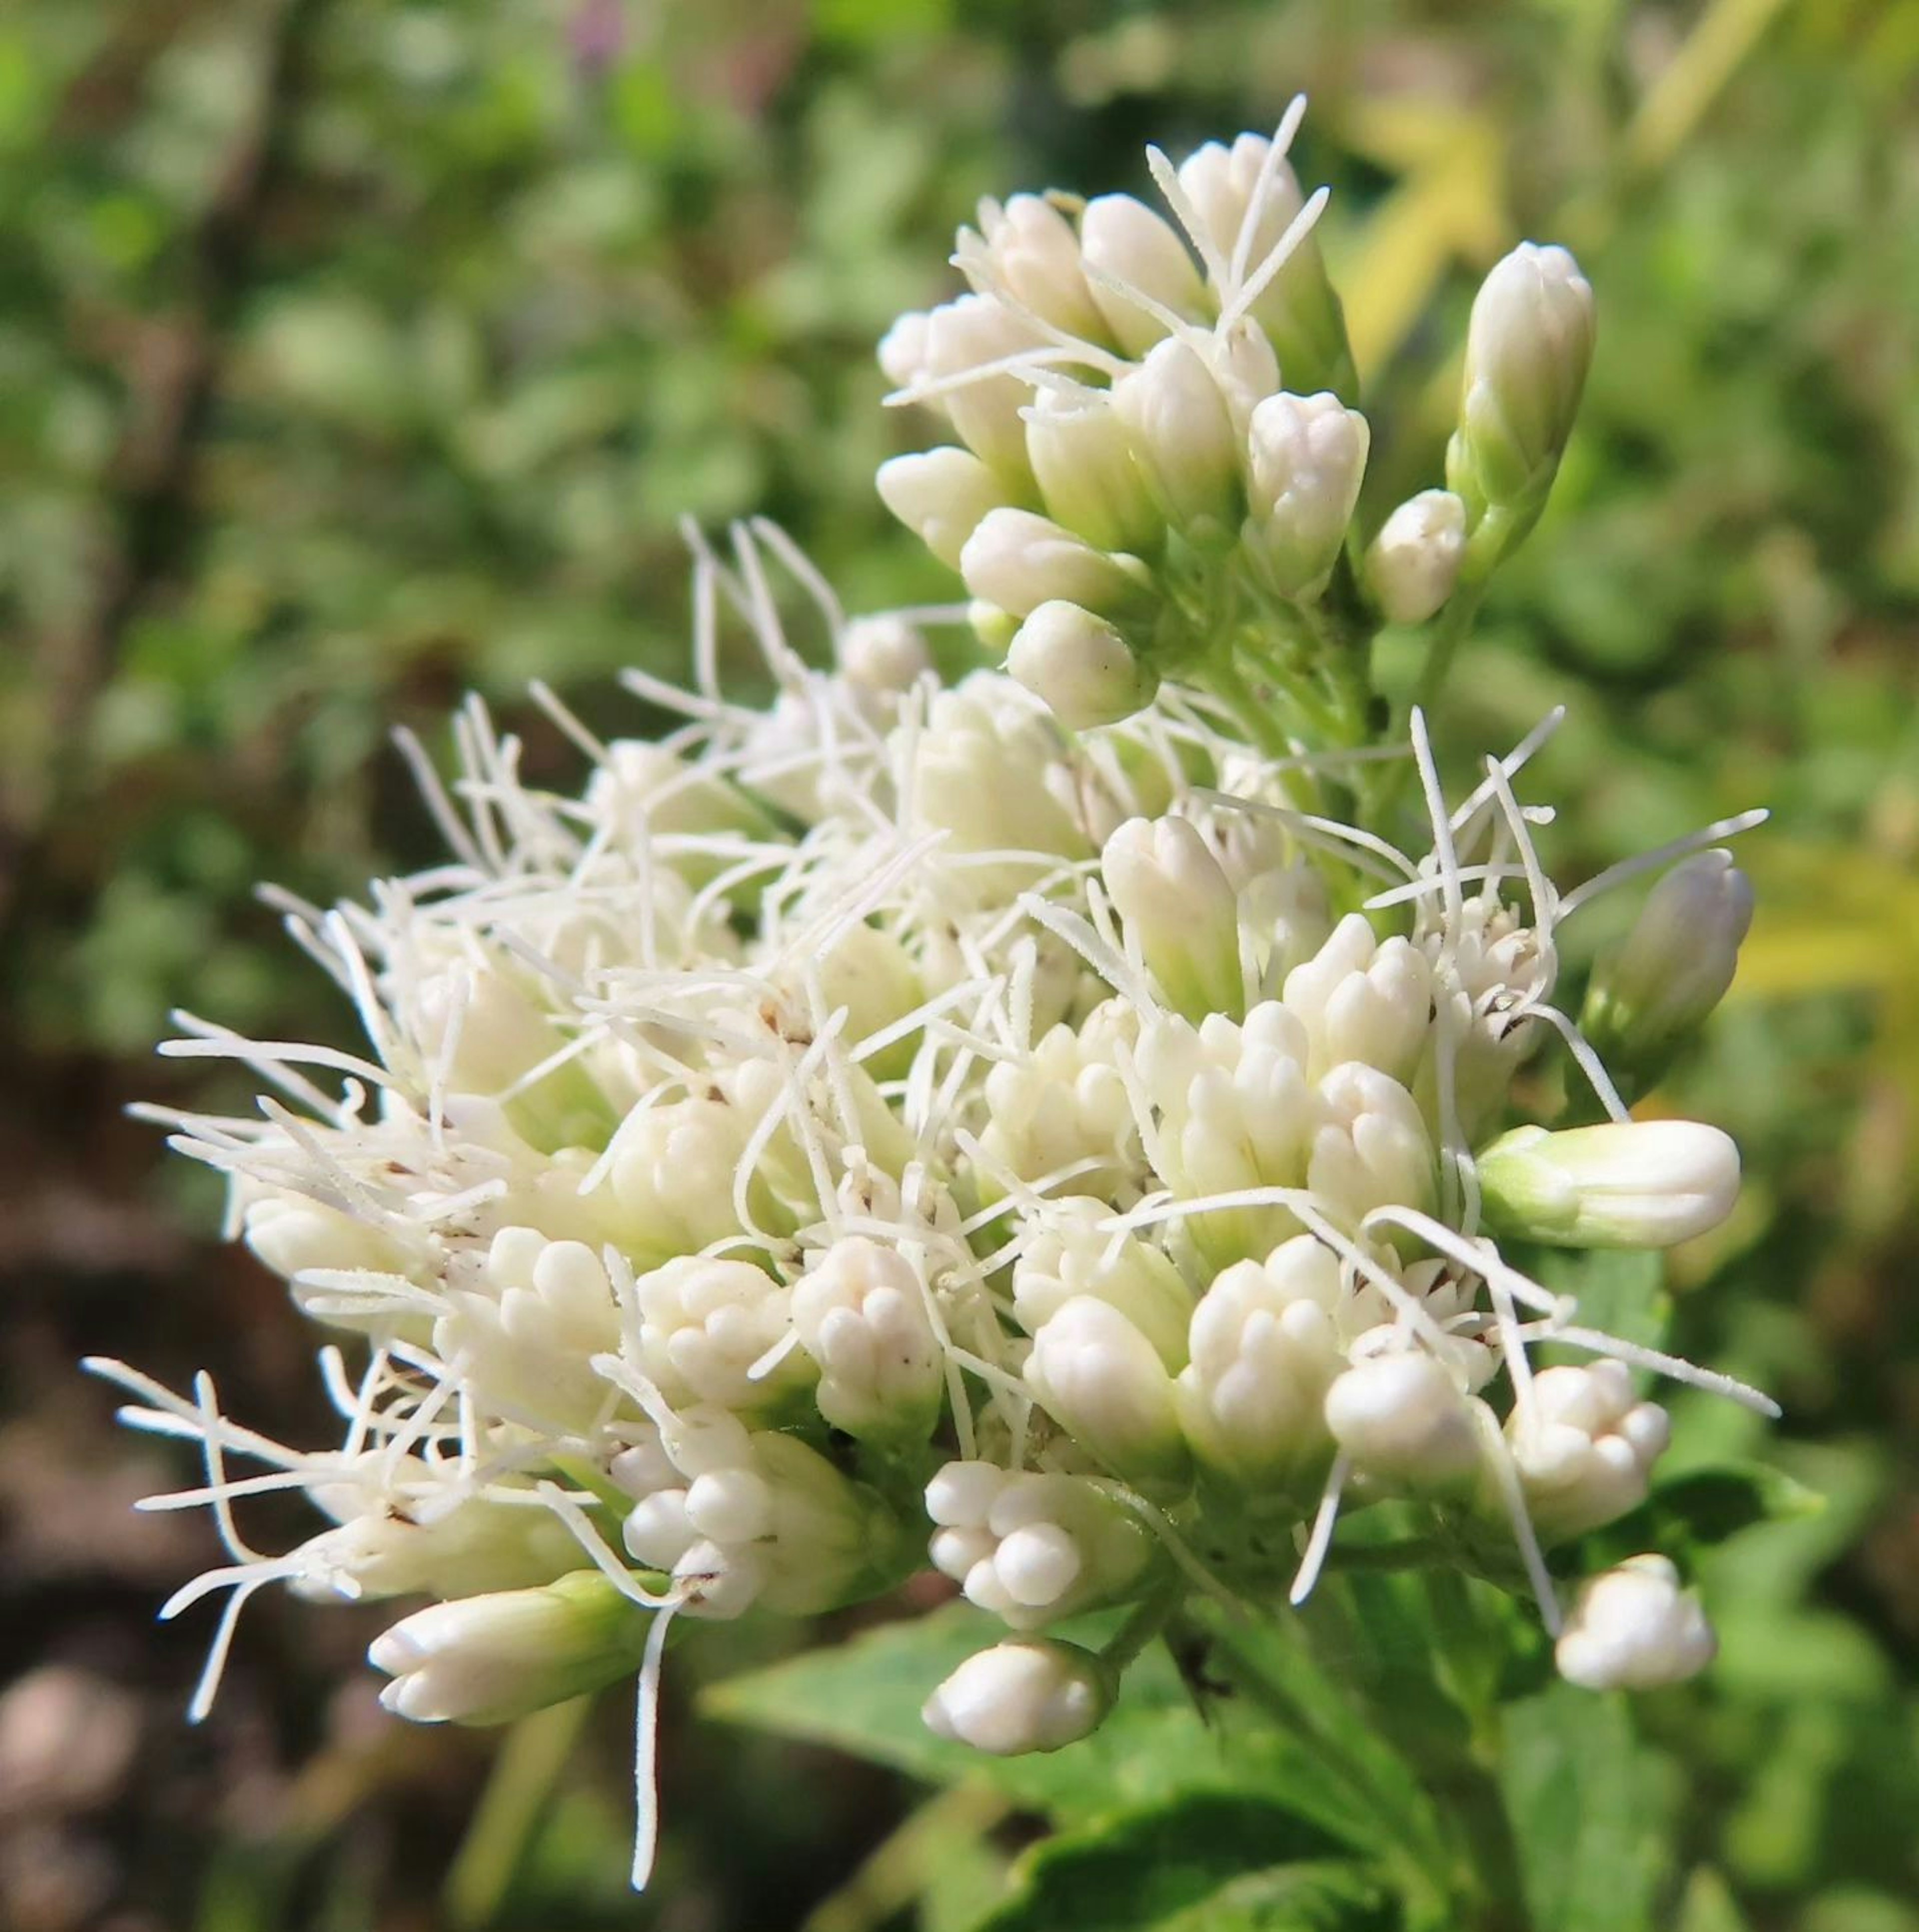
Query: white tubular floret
x,y
940,495
1027,248
1071,1253
1676,962
860,1312
706,1324
1104,1382
1019,561
1183,435
1584,1446
1371,1150
1028,1694
1121,238
972,333
1079,666
1265,1351
1307,456
1170,891
1635,1629
488,1660
1363,998
1623,1184
1413,563
1405,1421
1082,456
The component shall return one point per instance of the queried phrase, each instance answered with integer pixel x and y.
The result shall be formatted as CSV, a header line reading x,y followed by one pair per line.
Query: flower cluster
x,y
882,1126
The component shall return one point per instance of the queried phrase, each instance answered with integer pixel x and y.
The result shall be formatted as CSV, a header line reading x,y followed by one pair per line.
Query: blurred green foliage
x,y
353,353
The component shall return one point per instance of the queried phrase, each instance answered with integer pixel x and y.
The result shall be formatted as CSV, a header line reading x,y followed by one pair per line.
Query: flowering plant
x,y
1053,1123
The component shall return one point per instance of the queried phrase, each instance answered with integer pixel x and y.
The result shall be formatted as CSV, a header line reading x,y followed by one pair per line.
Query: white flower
x,y
1307,456
1071,1253
1363,998
1079,666
707,1325
1019,561
1027,248
1030,1694
1404,1420
1102,1380
1414,562
1123,239
1183,435
970,333
1584,1446
1370,1149
1634,1629
1178,906
1623,1184
1083,458
941,496
487,1659
860,1312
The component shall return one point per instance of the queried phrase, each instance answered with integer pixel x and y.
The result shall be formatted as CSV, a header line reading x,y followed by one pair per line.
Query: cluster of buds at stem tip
x,y
1528,346
1648,998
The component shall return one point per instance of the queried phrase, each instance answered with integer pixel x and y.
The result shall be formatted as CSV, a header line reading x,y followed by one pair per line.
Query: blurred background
x,y
354,354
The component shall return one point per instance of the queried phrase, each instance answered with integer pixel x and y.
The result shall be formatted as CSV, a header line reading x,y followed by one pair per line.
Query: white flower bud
x,y
1168,888
1083,459
1528,346
1676,963
1123,238
1307,456
1103,1381
705,1323
1414,562
1183,436
671,1178
1363,998
1029,249
883,653
1066,1102
1080,666
293,1235
1584,1446
940,495
1265,1350
902,349
970,333
1070,1254
1634,1629
1623,1184
1406,1422
1372,1150
1030,1694
1019,561
487,1659
860,1310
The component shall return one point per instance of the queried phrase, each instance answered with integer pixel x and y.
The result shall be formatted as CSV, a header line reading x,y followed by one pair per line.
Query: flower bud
x,y
1372,1149
902,349
1528,346
1123,238
705,1323
969,333
1307,455
1584,1447
1019,561
1363,998
1183,436
488,1660
1080,453
1406,1422
1625,1184
883,653
1080,666
1168,888
1028,1694
1070,1254
861,1311
940,495
1414,562
1028,248
1634,1629
1675,965
1264,1352
1101,1380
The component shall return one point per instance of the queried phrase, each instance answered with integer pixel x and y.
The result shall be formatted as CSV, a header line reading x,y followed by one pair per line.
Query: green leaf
x,y
1620,1290
864,1695
1210,1860
1698,1509
1580,1797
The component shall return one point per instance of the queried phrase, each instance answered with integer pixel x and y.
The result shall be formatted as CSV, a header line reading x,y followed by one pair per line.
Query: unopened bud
x,y
1124,239
1071,1254
1623,1184
1405,1421
1101,1380
1028,1694
1168,888
1080,666
972,333
1307,455
1634,1629
487,1659
861,1314
1183,435
1019,561
1080,453
1028,249
1414,562
1584,1446
1528,346
1675,965
940,495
